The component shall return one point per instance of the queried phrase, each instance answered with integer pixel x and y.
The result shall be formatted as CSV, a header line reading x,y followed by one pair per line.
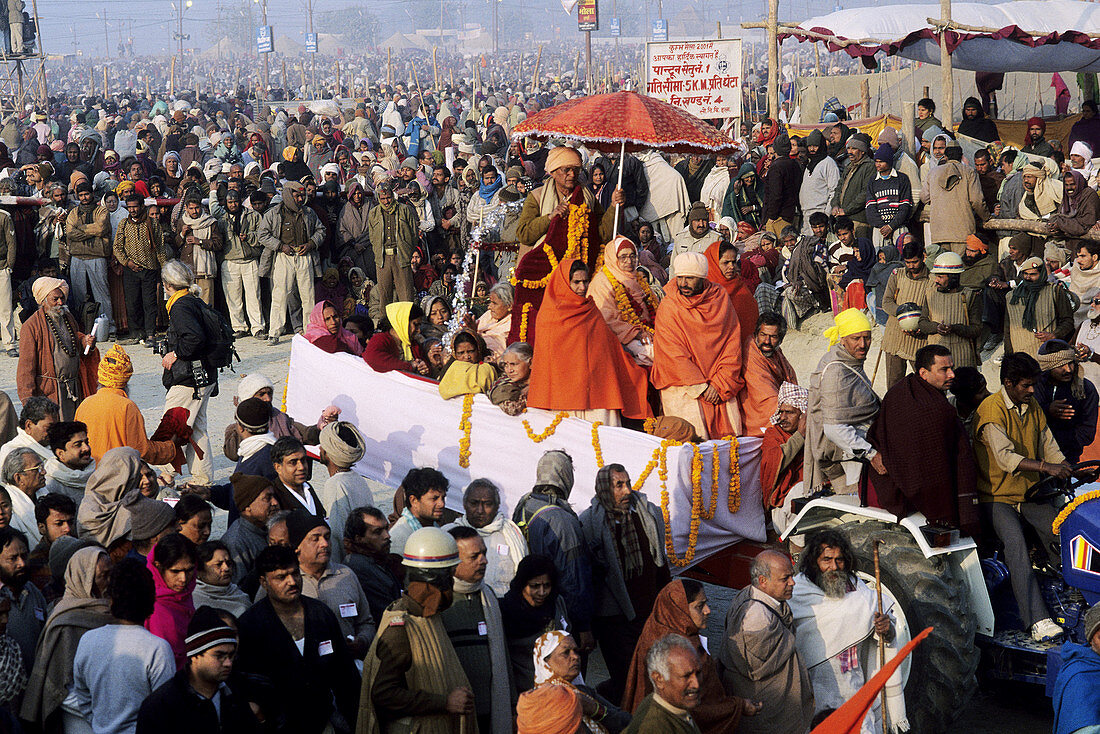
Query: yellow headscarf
x,y
398,316
849,321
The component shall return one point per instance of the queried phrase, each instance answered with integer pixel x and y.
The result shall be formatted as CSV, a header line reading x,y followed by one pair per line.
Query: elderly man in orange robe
x,y
697,352
766,369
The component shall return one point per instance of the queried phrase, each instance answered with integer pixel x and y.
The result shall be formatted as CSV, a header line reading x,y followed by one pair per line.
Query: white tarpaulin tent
x,y
1028,35
406,424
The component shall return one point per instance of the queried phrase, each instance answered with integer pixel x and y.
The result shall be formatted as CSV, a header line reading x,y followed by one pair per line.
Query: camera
x,y
160,347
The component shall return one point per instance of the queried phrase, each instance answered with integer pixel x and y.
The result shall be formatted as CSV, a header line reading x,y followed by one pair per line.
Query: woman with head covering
x,y
533,605
493,325
889,260
742,200
82,608
599,380
856,272
550,710
681,608
467,373
172,562
558,663
111,492
395,347
975,124
509,392
626,301
214,585
326,331
724,270
423,272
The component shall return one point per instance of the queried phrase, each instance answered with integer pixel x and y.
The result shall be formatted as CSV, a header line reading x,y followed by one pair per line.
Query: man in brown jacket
x,y
84,250
392,228
139,246
955,195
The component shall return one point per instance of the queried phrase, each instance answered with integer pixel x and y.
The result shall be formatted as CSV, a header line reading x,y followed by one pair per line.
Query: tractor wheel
x,y
941,678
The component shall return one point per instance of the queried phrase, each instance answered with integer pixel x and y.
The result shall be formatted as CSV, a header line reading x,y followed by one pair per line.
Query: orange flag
x,y
849,718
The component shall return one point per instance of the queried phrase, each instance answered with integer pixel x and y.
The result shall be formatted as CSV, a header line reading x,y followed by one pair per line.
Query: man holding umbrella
x,y
545,221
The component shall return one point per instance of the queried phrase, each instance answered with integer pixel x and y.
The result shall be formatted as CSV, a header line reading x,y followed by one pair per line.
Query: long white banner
x,y
407,424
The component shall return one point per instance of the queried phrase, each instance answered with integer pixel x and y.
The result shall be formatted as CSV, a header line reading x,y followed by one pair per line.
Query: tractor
x,y
937,579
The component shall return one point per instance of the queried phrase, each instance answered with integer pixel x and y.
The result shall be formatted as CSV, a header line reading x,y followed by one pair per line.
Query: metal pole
x,y
313,57
106,40
773,59
588,62
946,77
263,9
495,39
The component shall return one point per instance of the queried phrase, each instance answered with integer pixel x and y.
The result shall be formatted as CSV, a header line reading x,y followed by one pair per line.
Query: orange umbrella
x,y
628,121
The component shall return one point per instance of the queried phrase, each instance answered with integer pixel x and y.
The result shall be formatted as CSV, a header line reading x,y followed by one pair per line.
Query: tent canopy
x,y
1027,35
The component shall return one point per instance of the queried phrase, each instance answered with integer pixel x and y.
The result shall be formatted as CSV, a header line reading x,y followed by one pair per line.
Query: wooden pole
x,y
924,91
588,62
286,87
106,91
452,77
719,29
389,66
865,97
881,641
817,60
947,114
909,127
773,59
172,77
435,63
576,67
148,94
535,76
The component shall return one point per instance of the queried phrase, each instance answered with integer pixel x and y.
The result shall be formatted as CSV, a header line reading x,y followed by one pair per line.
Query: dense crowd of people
x,y
184,225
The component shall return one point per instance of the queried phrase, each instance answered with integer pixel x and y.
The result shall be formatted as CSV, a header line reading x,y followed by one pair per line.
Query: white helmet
x,y
430,548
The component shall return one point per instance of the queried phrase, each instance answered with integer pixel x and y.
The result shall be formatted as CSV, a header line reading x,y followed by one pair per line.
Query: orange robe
x,y
697,340
579,363
763,378
114,420
743,299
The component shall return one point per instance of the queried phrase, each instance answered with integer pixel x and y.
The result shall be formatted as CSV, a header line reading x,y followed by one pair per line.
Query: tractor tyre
x,y
942,675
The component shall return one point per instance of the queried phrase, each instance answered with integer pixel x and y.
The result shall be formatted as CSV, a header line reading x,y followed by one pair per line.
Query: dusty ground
x,y
996,710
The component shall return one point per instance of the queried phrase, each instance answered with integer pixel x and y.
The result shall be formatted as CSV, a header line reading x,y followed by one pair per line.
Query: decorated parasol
x,y
628,121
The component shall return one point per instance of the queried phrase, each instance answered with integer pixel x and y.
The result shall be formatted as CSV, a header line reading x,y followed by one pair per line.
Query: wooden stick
x,y
435,65
535,76
389,67
881,641
878,361
795,30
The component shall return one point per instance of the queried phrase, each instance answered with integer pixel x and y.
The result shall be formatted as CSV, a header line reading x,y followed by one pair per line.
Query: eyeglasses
x,y
40,469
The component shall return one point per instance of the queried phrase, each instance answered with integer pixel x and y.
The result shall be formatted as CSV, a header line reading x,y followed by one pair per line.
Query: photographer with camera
x,y
188,374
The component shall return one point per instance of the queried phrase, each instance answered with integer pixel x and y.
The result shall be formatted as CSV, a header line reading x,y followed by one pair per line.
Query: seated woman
x,y
599,380
358,298
438,312
558,663
394,347
532,606
509,392
493,325
325,331
681,608
423,273
467,373
628,303
1078,211
361,327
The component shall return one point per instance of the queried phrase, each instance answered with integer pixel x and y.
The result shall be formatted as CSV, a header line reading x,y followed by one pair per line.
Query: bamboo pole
x,y
947,114
452,77
148,95
909,127
865,98
719,36
389,66
535,76
286,87
435,64
339,86
773,59
576,67
801,33
172,77
106,93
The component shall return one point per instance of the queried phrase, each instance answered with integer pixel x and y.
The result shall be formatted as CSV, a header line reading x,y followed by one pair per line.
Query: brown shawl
x,y
35,374
718,712
928,456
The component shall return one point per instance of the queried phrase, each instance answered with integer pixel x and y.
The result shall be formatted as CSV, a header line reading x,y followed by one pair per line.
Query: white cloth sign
x,y
406,424
701,77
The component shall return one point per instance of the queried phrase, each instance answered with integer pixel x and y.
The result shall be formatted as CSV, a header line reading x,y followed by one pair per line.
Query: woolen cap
x,y
299,523
254,414
246,488
149,518
1092,622
698,210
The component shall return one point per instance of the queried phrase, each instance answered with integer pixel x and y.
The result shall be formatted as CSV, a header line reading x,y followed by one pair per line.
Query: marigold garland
x,y
596,444
640,482
465,426
626,306
540,437
1068,509
523,320
576,242
733,498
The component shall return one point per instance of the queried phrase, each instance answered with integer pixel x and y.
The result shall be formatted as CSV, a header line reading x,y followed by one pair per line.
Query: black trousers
x,y
617,638
141,301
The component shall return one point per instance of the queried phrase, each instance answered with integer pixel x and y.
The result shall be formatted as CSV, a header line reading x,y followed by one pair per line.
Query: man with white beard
x,y
836,625
55,358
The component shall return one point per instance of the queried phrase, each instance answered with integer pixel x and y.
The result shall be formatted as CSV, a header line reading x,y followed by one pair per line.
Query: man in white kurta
x,y
836,626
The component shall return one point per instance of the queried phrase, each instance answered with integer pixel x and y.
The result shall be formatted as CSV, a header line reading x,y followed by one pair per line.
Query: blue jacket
x,y
1077,689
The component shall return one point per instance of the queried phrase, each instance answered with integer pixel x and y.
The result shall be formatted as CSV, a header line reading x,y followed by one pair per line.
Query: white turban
x,y
691,264
251,384
1082,149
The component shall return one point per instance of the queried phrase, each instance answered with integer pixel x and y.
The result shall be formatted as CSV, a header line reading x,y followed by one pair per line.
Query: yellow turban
x,y
115,368
848,322
44,286
288,153
562,156
124,188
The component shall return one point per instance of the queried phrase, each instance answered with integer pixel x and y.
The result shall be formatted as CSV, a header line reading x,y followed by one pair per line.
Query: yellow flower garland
x,y
596,444
626,308
523,320
733,497
576,242
539,438
1068,509
465,426
640,482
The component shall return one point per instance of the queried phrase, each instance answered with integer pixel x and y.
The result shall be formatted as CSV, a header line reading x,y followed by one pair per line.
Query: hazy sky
x,y
153,22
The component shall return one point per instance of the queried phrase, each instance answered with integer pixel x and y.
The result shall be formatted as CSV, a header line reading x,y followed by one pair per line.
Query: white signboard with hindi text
x,y
701,77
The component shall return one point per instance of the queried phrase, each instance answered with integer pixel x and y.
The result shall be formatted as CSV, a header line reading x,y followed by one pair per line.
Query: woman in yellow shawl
x,y
394,347
466,374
